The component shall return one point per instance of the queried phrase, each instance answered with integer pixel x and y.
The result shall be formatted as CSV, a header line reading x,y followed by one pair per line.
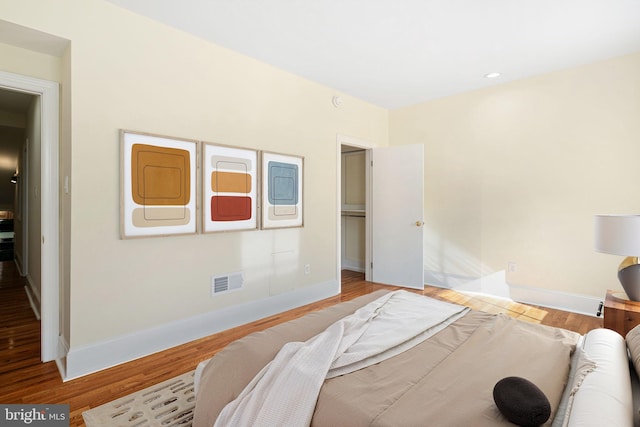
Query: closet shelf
x,y
354,212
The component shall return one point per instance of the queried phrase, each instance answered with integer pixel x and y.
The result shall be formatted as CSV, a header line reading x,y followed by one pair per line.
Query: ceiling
x,y
395,53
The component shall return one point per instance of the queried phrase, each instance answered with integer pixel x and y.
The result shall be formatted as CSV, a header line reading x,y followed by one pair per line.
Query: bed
x,y
447,378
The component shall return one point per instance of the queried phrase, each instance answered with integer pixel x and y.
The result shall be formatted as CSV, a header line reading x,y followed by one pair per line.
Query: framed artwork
x,y
229,188
158,185
282,190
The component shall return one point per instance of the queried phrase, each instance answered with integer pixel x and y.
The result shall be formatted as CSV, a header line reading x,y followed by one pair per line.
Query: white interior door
x,y
397,202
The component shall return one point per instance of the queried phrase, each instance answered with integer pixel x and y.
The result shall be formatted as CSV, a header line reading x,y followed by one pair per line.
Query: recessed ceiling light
x,y
492,75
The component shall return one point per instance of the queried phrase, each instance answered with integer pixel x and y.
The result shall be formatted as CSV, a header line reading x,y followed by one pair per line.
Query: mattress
x,y
446,380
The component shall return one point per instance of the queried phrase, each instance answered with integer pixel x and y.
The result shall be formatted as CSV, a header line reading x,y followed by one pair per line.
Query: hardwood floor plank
x,y
24,379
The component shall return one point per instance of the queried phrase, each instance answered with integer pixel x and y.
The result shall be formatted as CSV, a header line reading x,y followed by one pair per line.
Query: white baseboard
x,y
17,260
84,360
575,303
34,298
352,265
61,360
101,355
63,346
495,284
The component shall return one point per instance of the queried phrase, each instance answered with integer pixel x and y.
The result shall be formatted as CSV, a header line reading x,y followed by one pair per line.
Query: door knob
x,y
419,223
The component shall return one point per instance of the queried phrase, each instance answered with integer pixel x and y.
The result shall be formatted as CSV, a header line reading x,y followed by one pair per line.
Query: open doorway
x,y
353,211
17,123
354,216
393,213
43,229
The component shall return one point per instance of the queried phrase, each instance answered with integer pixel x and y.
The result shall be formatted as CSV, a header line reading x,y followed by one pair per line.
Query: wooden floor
x,y
24,379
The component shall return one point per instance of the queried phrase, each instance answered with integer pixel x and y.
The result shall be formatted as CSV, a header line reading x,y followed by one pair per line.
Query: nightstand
x,y
620,314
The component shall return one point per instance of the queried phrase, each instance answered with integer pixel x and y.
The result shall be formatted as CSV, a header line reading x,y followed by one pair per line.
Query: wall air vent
x,y
226,283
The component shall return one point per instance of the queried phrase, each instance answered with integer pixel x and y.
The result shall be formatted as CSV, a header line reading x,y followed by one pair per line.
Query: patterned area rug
x,y
167,404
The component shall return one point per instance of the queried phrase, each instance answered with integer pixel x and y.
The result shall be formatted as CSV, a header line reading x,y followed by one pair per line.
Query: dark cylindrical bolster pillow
x,y
521,401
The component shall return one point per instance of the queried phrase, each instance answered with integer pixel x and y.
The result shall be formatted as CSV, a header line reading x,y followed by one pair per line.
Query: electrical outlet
x,y
307,269
512,267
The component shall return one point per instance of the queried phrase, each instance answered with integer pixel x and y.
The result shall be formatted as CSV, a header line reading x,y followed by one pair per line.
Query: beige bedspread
x,y
445,381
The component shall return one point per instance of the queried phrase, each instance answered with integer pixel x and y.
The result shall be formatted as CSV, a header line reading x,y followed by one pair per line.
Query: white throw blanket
x,y
285,391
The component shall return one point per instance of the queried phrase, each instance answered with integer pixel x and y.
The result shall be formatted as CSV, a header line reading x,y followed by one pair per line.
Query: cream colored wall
x,y
12,131
27,62
18,221
33,216
129,72
515,173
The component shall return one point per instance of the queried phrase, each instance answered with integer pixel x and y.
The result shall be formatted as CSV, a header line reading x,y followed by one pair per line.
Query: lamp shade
x,y
617,234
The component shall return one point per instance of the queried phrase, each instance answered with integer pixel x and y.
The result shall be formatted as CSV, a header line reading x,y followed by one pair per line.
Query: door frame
x,y
367,146
48,91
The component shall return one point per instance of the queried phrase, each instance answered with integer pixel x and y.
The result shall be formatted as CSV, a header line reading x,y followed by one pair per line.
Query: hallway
x,y
19,338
